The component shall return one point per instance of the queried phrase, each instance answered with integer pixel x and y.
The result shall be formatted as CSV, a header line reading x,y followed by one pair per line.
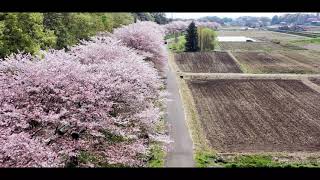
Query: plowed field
x,y
255,46
206,62
316,81
258,115
278,62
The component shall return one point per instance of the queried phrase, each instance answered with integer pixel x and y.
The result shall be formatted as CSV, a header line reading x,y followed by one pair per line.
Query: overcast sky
x,y
230,15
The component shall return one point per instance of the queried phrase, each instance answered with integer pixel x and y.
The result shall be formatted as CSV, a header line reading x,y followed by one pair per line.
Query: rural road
x,y
180,153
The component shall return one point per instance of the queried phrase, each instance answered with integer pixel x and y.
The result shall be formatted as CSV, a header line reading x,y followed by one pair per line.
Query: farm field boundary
x,y
315,81
311,84
206,76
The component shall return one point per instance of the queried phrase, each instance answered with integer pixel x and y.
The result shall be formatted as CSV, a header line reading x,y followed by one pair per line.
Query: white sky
x,y
221,15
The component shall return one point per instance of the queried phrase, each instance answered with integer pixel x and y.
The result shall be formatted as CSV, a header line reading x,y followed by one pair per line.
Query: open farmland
x,y
248,46
258,115
206,62
255,46
278,62
311,44
262,35
315,46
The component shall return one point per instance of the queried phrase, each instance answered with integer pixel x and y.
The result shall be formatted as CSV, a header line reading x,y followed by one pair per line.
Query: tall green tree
x,y
120,19
107,21
30,32
59,23
206,39
25,32
72,27
160,18
191,38
143,16
275,20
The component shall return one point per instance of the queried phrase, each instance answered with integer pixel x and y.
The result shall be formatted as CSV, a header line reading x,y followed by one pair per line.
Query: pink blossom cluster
x,y
211,25
97,98
176,26
147,37
19,150
180,26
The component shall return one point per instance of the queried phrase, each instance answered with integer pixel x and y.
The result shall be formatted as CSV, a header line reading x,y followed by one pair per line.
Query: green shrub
x,y
204,158
178,46
156,156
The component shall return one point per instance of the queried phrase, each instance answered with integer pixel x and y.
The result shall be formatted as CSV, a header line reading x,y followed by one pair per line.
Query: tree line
x,y
298,18
30,32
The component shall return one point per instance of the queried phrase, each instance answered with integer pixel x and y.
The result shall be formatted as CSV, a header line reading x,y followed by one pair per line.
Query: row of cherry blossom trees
x,y
179,26
95,105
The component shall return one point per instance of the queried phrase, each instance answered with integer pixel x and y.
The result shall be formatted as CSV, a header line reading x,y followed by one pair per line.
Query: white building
x,y
234,39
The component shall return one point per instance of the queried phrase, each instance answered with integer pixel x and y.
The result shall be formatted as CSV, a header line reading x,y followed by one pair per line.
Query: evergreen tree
x,y
192,38
275,20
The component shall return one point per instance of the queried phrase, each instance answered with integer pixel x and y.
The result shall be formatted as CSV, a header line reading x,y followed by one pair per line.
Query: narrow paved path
x,y
181,151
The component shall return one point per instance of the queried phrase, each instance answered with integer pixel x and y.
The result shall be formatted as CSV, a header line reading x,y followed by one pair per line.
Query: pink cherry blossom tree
x,y
211,25
147,37
97,98
176,26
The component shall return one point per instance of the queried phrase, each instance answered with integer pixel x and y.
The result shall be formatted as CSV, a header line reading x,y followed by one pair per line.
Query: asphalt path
x,y
180,152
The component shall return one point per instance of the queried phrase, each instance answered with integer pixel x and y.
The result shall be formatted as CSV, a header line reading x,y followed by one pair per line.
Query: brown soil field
x,y
262,35
308,58
206,62
315,80
258,115
314,47
312,28
278,62
255,46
